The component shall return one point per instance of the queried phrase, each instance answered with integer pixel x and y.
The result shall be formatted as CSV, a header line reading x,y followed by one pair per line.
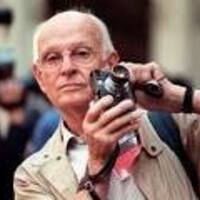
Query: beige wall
x,y
175,39
194,42
169,34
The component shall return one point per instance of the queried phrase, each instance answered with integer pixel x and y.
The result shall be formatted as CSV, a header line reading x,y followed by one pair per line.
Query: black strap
x,y
168,131
107,167
187,105
88,182
94,195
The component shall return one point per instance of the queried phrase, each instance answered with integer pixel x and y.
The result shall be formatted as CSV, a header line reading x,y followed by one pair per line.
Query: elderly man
x,y
81,161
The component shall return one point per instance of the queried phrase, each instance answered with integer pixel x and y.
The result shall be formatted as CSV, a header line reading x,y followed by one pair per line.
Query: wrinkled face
x,y
68,52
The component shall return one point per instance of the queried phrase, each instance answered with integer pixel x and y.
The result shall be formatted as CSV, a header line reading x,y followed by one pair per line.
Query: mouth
x,y
72,86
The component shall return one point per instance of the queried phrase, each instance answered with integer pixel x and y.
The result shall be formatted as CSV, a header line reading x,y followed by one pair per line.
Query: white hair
x,y
107,44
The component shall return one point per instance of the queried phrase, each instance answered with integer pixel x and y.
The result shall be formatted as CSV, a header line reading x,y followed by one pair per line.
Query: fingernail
x,y
109,98
91,103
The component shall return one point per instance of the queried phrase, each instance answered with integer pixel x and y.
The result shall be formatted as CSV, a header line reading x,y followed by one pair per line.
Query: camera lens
x,y
120,74
153,88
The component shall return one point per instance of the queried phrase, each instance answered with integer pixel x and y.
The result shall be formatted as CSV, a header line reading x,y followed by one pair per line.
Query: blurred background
x,y
167,32
143,30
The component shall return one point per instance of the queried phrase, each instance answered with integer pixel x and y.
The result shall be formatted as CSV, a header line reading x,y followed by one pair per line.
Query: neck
x,y
73,119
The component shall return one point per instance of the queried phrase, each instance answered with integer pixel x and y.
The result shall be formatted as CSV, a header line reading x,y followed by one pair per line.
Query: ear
x,y
37,73
113,59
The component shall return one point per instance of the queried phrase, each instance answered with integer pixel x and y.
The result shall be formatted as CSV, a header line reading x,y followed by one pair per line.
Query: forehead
x,y
68,33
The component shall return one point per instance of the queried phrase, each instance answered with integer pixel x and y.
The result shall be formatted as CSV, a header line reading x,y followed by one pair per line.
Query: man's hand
x,y
104,126
172,94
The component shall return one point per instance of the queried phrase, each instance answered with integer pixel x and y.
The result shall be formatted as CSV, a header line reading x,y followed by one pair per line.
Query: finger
x,y
129,118
110,139
156,72
133,68
145,73
119,109
139,73
98,107
118,134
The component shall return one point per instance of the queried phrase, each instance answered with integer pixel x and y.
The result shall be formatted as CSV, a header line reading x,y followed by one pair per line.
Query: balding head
x,y
75,17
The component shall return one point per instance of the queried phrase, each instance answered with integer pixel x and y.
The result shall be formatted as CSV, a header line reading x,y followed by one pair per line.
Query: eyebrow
x,y
55,48
49,50
80,44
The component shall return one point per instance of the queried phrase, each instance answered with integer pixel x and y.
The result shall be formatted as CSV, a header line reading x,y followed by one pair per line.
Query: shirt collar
x,y
67,135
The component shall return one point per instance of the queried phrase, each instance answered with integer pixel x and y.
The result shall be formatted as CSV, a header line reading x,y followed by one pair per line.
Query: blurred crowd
x,y
24,114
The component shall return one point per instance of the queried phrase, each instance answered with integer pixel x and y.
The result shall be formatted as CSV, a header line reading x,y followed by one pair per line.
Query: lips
x,y
72,86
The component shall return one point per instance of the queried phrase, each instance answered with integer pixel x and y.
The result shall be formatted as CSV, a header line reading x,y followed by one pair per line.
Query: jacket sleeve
x,y
26,187
189,126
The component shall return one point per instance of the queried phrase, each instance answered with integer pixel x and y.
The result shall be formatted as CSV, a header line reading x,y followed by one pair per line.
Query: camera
x,y
117,83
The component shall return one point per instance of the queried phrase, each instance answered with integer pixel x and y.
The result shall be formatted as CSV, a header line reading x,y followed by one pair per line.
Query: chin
x,y
74,101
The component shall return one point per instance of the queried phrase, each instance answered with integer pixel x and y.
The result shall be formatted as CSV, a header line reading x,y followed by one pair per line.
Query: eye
x,y
82,53
52,60
52,57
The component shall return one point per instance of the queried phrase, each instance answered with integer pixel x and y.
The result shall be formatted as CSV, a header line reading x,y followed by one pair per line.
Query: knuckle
x,y
105,116
91,112
87,127
154,65
117,122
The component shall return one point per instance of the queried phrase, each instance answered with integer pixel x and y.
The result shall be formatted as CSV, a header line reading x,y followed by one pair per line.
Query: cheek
x,y
49,82
58,97
84,75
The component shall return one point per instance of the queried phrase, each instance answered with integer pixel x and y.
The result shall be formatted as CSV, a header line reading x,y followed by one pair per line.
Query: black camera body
x,y
117,84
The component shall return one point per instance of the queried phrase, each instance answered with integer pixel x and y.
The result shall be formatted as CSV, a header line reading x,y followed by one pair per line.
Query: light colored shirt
x,y
78,154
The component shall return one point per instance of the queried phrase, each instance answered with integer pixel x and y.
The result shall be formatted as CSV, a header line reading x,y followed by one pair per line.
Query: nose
x,y
67,65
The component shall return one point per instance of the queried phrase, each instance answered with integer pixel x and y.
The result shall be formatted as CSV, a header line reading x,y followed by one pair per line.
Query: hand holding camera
x,y
110,118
